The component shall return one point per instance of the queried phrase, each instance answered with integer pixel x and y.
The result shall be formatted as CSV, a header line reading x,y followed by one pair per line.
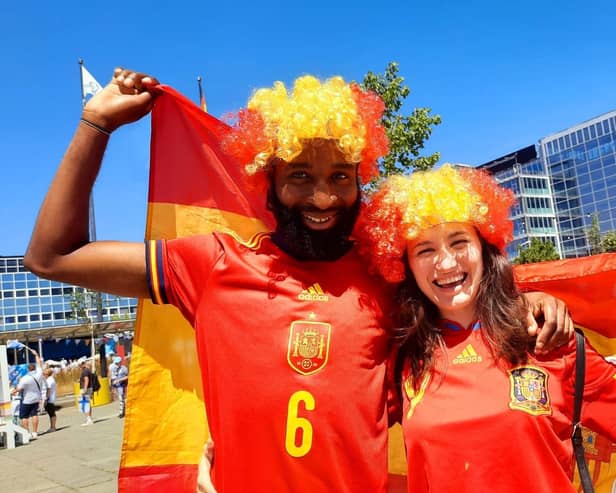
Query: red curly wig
x,y
404,206
276,124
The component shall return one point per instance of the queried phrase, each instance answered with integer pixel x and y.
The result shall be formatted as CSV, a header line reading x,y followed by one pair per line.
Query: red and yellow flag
x,y
588,285
194,188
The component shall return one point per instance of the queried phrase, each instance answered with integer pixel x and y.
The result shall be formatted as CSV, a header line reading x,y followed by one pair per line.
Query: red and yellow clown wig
x,y
404,206
276,124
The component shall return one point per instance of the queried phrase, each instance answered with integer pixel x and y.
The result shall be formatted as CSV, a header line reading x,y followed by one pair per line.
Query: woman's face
x,y
447,264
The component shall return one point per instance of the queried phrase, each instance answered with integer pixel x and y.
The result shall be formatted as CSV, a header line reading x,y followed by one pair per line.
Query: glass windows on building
x,y
29,302
541,225
524,173
538,205
534,167
582,165
535,186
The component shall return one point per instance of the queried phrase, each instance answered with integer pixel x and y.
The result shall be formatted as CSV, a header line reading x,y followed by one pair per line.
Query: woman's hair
x,y
501,309
275,125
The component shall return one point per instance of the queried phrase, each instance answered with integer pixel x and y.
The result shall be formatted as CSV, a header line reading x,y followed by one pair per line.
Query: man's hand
x,y
204,478
557,326
127,98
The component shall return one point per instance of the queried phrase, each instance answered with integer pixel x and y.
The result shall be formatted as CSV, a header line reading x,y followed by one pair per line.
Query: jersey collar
x,y
450,325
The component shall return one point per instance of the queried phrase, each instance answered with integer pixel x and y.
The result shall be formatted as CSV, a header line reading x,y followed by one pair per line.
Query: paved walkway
x,y
75,458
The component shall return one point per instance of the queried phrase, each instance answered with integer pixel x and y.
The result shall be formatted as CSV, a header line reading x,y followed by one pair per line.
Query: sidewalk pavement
x,y
74,458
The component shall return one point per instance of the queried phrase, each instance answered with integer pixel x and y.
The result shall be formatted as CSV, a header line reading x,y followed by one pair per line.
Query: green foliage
x,y
537,251
594,236
609,242
407,134
81,300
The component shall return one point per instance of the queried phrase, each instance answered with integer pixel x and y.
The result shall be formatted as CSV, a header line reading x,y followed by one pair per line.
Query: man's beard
x,y
303,243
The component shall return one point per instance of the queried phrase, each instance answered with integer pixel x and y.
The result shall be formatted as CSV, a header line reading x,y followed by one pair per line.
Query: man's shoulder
x,y
231,239
27,378
221,241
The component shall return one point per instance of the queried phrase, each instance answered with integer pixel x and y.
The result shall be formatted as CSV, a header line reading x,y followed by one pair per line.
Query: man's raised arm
x,y
59,248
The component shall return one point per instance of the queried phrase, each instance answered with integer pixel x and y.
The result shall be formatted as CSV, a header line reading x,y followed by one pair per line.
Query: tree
x,y
593,234
407,134
609,242
81,301
537,251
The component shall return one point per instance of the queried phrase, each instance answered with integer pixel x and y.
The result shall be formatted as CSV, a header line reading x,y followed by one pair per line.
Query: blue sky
x,y
501,75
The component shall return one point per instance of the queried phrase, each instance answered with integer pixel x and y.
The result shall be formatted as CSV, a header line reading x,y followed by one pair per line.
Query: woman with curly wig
x,y
481,411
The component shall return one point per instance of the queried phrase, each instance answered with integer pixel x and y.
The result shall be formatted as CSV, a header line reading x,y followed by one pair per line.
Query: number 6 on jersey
x,y
298,439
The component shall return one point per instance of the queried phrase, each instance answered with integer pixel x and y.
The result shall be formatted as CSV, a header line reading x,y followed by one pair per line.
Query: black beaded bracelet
x,y
96,127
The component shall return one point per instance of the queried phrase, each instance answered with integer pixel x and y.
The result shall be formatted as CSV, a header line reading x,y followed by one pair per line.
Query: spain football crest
x,y
529,390
308,346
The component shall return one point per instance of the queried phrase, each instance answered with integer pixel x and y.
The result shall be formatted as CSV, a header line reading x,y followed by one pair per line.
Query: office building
x,y
533,215
560,184
581,162
29,303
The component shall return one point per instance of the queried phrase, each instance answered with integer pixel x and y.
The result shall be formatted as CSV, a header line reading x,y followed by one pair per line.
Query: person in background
x,y
481,410
85,391
32,387
118,376
50,398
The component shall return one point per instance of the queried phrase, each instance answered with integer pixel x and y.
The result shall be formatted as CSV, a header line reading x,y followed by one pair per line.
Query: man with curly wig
x,y
291,330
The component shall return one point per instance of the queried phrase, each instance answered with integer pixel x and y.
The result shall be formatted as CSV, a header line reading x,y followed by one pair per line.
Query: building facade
x,y
29,302
533,215
581,162
560,184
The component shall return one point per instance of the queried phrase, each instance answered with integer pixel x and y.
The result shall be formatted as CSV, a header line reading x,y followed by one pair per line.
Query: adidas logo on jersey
x,y
313,293
469,355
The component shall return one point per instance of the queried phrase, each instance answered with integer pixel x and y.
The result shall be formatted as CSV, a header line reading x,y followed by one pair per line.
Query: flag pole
x,y
83,94
92,221
92,235
201,94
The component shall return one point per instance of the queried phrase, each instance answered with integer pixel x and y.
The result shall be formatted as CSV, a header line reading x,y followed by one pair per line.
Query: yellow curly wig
x,y
276,124
404,206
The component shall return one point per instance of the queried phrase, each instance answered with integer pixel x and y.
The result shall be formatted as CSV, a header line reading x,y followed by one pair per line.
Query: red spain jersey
x,y
293,358
473,425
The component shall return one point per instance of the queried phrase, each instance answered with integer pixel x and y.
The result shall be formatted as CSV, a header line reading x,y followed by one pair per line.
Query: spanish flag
x,y
588,285
194,188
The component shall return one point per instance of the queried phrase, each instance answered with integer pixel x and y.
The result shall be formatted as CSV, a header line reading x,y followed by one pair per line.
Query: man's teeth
x,y
317,219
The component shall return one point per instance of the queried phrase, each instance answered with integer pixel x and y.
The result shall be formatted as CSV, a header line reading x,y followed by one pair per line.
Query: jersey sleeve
x,y
178,270
599,406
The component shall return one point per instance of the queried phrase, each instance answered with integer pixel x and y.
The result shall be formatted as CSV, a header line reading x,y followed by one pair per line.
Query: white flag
x,y
13,344
90,84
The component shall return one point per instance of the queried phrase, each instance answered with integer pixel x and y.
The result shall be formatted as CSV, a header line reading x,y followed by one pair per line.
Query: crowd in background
x,y
36,392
